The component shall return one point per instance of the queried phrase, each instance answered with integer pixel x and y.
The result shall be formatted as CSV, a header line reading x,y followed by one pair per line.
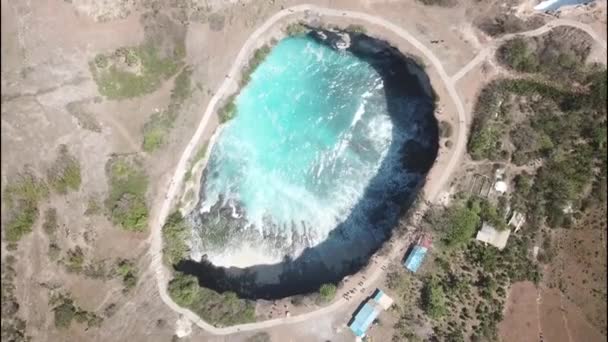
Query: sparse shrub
x,y
75,260
228,112
50,221
296,29
64,313
54,251
259,55
327,292
64,174
101,61
156,130
21,198
356,28
127,271
93,207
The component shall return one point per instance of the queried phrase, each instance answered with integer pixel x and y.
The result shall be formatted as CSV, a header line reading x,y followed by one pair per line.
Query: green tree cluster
x,y
126,200
175,232
218,309
327,292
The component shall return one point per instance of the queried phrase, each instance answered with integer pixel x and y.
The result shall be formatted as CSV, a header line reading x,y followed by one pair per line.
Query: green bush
x,y
22,197
127,271
259,55
484,144
433,298
175,232
64,174
296,29
462,222
64,313
356,28
75,260
516,54
218,309
116,83
228,112
126,200
327,292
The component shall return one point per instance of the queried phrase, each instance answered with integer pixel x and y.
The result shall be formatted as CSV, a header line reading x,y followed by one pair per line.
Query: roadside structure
x,y
490,235
416,256
369,312
517,220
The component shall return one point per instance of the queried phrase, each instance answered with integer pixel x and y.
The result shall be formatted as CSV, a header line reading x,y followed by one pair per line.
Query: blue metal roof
x,y
364,318
378,295
414,260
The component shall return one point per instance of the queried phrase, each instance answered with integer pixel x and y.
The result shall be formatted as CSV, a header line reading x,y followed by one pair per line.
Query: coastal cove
x,y
390,175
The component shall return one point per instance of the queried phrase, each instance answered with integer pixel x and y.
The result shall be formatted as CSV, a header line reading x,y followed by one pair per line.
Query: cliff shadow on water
x,y
411,103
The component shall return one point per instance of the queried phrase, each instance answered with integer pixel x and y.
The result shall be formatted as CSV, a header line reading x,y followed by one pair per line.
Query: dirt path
x,y
162,274
433,187
490,49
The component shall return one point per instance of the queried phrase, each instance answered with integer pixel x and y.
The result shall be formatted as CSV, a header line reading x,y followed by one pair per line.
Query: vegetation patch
x,y
64,173
133,71
296,29
356,28
564,129
200,154
560,54
127,271
433,298
463,288
228,111
21,199
126,201
218,309
157,129
65,311
175,232
12,326
74,261
327,292
259,55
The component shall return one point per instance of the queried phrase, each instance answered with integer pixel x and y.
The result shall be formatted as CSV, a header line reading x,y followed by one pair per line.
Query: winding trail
x,y
491,48
375,271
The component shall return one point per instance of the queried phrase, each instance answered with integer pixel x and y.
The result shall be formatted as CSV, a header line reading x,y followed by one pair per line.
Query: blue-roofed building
x,y
369,312
414,260
364,318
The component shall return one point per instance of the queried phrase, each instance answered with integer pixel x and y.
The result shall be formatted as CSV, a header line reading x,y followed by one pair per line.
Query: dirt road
x,y
490,49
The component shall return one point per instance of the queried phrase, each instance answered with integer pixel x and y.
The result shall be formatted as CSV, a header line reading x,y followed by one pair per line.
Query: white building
x,y
493,236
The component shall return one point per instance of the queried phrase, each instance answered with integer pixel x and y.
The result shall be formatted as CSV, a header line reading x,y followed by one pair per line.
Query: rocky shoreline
x,y
409,160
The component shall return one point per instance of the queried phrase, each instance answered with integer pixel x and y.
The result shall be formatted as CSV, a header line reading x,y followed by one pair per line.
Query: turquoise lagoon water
x,y
311,130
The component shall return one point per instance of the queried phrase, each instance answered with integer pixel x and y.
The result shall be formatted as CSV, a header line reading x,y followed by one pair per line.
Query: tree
x,y
462,221
433,298
327,292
